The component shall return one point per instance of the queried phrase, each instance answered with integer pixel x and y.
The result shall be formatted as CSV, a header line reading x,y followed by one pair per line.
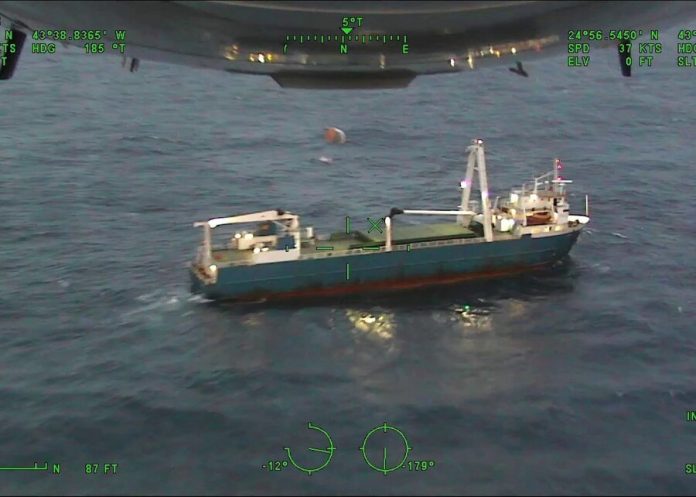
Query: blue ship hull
x,y
399,269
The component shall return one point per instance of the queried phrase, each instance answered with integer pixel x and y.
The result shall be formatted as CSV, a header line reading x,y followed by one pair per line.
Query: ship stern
x,y
199,282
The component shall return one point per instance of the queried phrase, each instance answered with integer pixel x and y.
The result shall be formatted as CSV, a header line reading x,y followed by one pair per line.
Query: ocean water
x,y
571,380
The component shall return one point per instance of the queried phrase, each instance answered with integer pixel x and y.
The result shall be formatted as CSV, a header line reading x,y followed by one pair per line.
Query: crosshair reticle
x,y
328,450
384,468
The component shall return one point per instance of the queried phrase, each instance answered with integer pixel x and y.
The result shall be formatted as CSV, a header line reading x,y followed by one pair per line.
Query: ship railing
x,y
401,248
358,251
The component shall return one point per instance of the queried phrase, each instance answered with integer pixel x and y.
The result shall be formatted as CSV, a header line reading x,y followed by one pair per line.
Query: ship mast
x,y
477,161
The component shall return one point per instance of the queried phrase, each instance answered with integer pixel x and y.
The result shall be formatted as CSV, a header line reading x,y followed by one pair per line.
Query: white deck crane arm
x,y
273,215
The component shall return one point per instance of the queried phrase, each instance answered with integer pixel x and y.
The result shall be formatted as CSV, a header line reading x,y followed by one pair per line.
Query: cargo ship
x,y
277,258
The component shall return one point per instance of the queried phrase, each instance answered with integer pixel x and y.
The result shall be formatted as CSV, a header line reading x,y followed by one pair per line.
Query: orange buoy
x,y
334,135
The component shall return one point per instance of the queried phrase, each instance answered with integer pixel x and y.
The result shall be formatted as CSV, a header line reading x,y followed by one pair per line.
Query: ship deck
x,y
337,242
401,234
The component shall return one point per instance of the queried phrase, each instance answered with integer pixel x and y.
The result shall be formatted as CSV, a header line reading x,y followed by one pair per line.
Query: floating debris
x,y
473,317
334,135
326,160
380,325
